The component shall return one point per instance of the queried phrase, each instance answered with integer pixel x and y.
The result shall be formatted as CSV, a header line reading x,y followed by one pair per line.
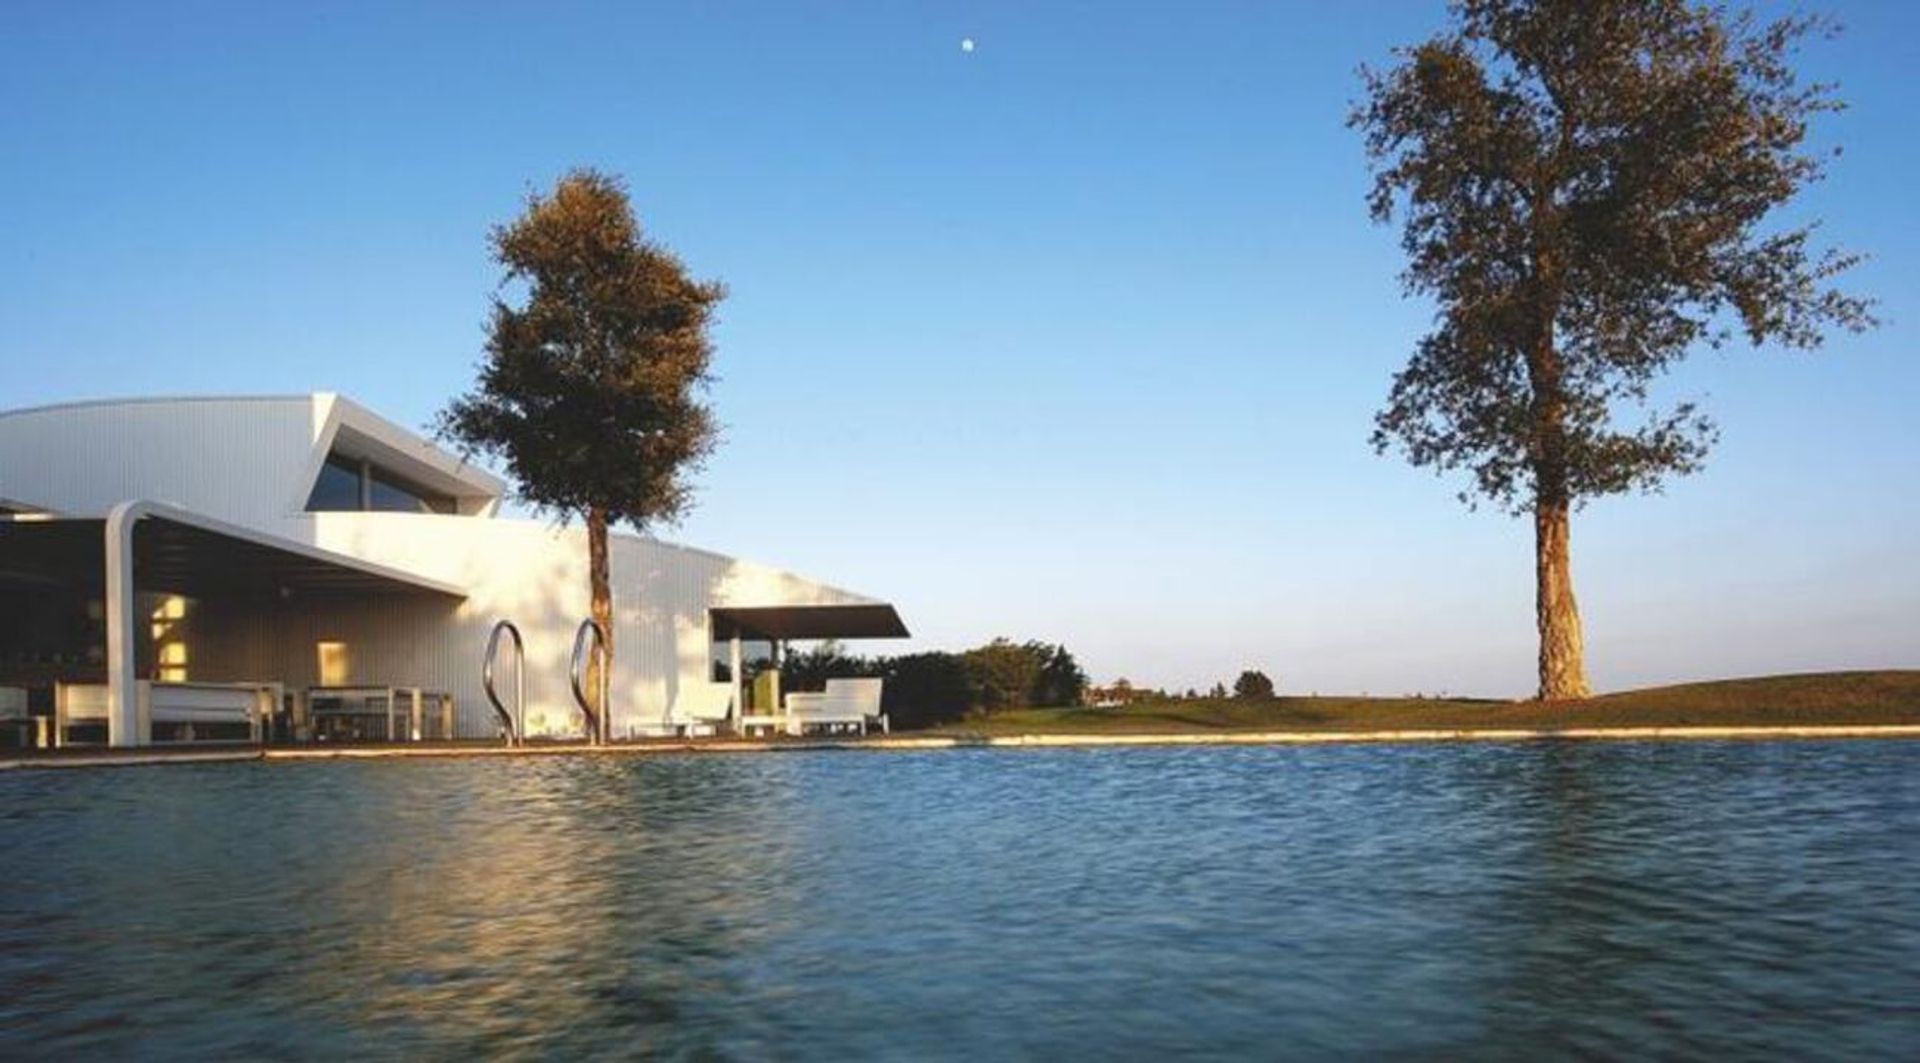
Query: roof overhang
x,y
178,552
868,620
358,432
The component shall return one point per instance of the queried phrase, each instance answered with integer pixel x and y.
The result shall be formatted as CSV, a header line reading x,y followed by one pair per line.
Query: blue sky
x,y
1075,337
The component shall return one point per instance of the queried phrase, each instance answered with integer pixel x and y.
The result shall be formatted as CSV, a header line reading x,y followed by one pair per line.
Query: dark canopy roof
x,y
175,556
874,620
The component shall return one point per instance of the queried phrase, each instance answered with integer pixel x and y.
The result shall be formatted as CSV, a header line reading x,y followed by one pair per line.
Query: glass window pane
x,y
388,494
337,488
388,497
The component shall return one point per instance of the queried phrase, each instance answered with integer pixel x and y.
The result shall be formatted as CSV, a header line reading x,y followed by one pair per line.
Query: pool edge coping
x,y
905,743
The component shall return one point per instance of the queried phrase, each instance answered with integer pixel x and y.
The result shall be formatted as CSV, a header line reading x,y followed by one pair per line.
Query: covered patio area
x,y
758,703
97,639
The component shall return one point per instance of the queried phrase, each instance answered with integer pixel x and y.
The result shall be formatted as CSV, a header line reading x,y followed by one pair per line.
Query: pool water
x,y
1498,900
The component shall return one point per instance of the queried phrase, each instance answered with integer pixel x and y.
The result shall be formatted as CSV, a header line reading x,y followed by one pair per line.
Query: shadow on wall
x,y
532,573
417,638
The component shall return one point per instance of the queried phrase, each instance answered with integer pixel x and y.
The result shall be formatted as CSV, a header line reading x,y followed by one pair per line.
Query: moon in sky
x,y
966,44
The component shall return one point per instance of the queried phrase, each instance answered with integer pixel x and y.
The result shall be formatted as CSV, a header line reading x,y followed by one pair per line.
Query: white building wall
x,y
535,574
251,462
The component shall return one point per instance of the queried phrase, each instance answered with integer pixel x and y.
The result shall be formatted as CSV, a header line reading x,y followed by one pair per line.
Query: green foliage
x,y
1009,675
927,689
809,669
1062,680
1253,685
931,688
590,390
1004,674
1584,185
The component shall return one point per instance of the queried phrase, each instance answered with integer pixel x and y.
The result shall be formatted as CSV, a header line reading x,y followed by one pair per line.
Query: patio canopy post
x,y
123,692
738,709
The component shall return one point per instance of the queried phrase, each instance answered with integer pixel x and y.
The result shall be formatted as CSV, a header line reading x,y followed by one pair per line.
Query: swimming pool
x,y
1488,899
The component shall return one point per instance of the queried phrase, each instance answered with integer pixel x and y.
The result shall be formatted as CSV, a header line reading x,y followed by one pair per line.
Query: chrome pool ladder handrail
x,y
597,730
512,723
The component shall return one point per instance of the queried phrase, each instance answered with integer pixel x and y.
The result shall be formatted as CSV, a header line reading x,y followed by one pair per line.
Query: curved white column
x,y
123,689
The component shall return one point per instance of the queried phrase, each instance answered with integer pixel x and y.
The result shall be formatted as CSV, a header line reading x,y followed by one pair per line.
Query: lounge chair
x,y
846,704
700,709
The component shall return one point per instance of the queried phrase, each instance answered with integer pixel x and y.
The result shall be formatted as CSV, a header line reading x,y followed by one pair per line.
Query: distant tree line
x,y
936,687
1252,685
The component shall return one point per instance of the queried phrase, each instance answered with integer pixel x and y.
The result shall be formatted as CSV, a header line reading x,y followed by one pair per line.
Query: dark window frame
x,y
374,489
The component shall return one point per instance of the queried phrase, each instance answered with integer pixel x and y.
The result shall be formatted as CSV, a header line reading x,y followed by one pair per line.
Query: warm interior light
x,y
169,628
334,663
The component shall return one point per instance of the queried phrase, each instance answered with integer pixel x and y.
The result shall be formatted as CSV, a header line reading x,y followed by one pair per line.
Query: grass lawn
x,y
1826,698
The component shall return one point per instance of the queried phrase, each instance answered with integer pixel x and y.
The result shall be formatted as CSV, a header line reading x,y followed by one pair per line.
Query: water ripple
x,y
1674,901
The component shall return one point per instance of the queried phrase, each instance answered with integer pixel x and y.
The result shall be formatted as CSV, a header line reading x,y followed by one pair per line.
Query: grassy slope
x,y
1827,698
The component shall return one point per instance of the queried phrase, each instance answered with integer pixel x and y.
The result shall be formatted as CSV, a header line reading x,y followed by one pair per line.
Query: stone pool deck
x,y
100,758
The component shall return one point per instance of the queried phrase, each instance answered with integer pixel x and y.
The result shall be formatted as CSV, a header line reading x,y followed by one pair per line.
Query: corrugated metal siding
x,y
238,460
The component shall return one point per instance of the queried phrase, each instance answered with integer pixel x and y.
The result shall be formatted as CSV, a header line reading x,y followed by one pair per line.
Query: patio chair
x,y
846,704
701,709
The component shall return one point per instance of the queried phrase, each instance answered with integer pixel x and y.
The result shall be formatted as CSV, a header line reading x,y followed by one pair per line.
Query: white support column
x,y
59,736
779,649
739,708
123,696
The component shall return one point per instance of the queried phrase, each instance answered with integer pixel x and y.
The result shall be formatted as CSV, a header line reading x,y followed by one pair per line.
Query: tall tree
x,y
1062,681
1253,685
1004,673
1586,189
590,389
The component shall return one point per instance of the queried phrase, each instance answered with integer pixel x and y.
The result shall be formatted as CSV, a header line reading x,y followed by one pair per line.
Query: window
x,y
334,661
169,632
338,486
388,495
349,484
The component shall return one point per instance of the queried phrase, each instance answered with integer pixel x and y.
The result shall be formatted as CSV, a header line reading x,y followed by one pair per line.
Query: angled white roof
x,y
354,431
249,459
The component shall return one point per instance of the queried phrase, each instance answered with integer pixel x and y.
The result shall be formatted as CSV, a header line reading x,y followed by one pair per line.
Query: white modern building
x,y
166,562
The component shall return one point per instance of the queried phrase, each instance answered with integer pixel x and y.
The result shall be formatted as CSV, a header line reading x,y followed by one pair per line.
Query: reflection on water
x,y
1685,899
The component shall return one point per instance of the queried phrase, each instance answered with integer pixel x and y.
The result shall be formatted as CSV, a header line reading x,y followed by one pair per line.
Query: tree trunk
x,y
1563,666
602,607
